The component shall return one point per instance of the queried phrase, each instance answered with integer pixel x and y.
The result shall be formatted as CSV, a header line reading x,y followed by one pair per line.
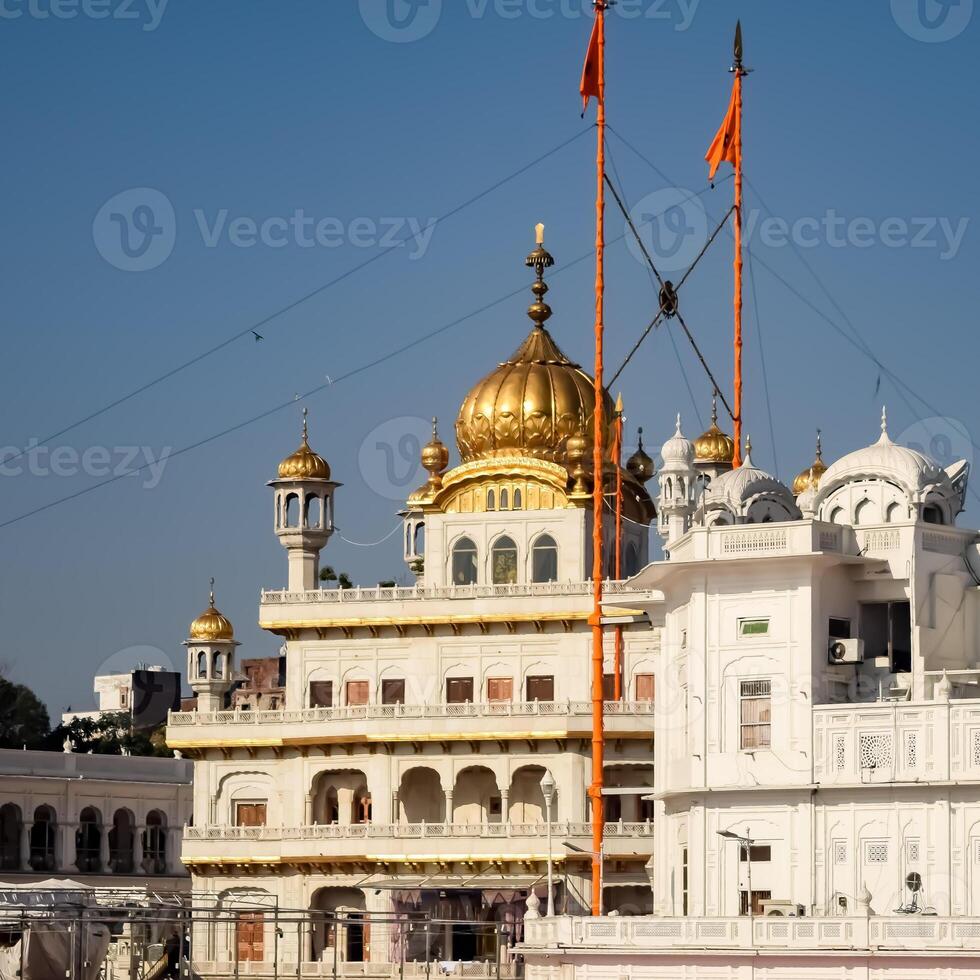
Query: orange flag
x,y
727,142
590,71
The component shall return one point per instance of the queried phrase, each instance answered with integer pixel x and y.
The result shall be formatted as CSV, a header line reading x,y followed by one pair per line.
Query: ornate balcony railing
x,y
496,709
414,593
414,831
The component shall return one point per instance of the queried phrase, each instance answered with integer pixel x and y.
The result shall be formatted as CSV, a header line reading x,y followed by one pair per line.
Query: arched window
x,y
43,834
464,562
894,512
504,500
932,514
837,515
202,664
544,559
155,843
420,539
313,512
10,834
88,841
292,510
491,499
517,500
121,839
503,561
216,667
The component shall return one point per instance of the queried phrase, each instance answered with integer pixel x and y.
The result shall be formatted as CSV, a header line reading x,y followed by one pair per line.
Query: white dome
x,y
733,488
884,460
678,449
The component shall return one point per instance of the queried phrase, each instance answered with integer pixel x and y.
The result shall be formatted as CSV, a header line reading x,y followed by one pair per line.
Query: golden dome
x,y
640,464
534,401
304,464
714,446
809,478
211,625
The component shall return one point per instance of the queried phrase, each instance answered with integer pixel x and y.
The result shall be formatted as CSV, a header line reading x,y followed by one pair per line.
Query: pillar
x,y
449,806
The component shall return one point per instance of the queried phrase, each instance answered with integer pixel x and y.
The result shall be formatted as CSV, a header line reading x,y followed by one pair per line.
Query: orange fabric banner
x,y
727,144
589,86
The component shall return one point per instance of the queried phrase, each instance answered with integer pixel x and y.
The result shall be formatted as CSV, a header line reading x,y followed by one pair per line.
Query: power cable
x,y
254,327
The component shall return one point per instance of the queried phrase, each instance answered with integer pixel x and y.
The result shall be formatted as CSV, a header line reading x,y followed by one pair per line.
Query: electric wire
x,y
299,301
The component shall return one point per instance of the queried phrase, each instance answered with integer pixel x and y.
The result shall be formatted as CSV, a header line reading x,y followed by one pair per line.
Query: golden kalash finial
x,y
576,451
211,625
640,465
435,457
539,260
304,464
809,478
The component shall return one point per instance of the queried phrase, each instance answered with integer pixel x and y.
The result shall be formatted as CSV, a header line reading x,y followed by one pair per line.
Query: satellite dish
x,y
913,882
973,560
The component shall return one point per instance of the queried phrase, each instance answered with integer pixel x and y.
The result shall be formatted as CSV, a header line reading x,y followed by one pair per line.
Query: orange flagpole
x,y
737,459
598,746
618,631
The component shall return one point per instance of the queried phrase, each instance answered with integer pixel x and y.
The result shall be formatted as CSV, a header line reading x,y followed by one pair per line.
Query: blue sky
x,y
258,151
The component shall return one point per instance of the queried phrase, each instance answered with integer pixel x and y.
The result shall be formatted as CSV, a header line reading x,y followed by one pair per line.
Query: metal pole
x,y
428,948
234,940
299,949
748,858
551,889
498,946
336,941
401,943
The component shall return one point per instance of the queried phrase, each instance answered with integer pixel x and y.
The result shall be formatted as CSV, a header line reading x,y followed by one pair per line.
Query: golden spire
x,y
809,478
640,465
539,260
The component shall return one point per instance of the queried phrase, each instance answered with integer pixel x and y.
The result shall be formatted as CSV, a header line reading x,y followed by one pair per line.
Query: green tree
x,y
327,574
23,717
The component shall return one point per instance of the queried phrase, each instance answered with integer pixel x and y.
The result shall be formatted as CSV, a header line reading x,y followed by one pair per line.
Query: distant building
x,y
116,693
262,684
104,820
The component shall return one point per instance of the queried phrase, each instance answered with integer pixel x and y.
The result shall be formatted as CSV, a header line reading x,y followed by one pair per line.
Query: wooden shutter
x,y
608,687
251,937
645,686
459,690
541,688
357,692
250,814
321,694
393,692
500,689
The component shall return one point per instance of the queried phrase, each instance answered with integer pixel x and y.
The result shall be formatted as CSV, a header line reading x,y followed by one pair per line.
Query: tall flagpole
x,y
739,72
598,746
618,630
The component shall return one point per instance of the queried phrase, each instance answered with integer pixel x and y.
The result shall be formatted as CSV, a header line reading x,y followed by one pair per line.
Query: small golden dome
x,y
211,625
714,446
533,402
435,457
809,478
640,465
304,464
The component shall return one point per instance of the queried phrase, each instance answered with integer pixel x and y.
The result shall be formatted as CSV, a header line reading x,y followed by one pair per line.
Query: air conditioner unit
x,y
846,652
773,906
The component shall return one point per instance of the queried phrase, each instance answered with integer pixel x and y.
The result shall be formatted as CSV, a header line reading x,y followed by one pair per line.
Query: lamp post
x,y
744,842
548,791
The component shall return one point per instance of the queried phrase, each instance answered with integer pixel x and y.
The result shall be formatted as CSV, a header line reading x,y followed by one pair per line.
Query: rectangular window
x,y
755,714
500,689
886,628
838,629
250,814
876,852
459,690
321,694
645,685
757,852
753,627
541,688
393,691
357,692
608,687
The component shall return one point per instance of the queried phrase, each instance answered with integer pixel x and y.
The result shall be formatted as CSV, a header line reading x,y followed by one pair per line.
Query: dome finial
x,y
435,428
212,592
639,433
714,407
819,446
306,426
747,461
884,438
640,465
677,430
435,458
539,260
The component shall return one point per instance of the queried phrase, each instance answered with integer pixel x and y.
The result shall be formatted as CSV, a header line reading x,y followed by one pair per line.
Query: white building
x,y
404,771
102,820
817,698
114,693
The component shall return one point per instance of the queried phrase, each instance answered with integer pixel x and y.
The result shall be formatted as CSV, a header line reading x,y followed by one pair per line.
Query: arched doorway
x,y
155,843
88,841
421,797
121,840
43,835
341,797
341,920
